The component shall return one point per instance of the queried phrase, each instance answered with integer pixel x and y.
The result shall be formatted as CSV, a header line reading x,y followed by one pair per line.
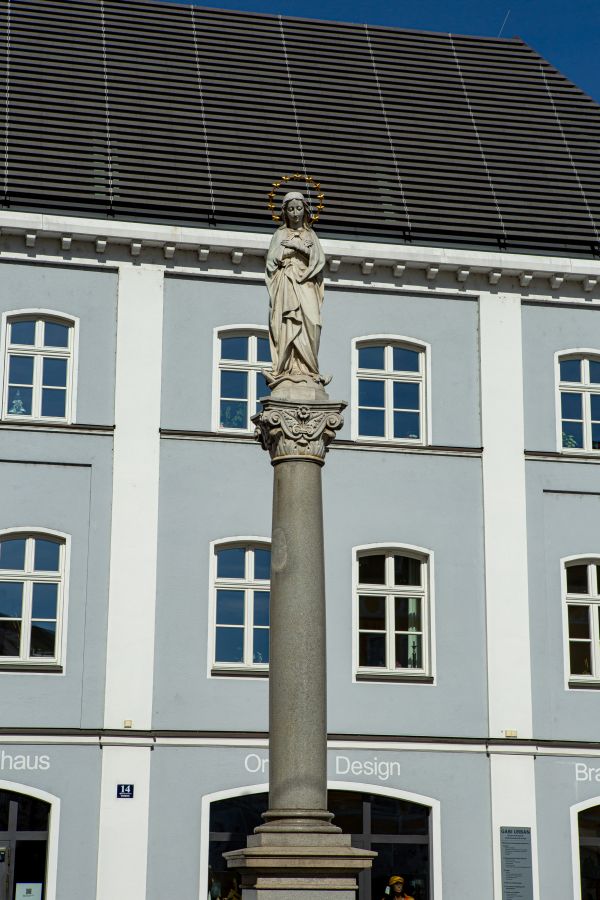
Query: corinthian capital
x,y
296,430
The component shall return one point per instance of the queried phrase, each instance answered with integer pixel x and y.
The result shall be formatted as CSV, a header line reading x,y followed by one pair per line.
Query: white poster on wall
x,y
27,890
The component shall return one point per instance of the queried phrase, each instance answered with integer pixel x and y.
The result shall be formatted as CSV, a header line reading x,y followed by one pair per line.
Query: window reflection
x,y
31,570
39,360
579,391
242,606
392,598
390,391
583,619
242,359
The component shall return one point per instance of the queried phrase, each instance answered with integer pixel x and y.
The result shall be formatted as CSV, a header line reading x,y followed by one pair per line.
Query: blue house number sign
x,y
125,791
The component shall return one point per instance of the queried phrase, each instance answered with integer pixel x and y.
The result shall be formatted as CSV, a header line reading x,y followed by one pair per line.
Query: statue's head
x,y
294,210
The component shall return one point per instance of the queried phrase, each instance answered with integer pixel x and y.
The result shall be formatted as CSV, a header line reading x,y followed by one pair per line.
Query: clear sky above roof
x,y
567,34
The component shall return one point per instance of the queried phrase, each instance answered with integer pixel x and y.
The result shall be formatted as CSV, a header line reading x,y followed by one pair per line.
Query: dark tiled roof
x,y
179,114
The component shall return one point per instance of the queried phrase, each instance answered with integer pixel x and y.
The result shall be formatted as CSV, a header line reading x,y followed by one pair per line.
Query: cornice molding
x,y
349,263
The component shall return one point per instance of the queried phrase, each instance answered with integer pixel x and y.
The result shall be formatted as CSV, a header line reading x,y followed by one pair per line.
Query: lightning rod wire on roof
x,y
204,125
478,138
107,108
7,100
295,110
570,155
387,127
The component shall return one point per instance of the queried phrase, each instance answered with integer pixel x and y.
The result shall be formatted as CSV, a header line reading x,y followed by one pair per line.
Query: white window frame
x,y
246,668
389,376
62,595
426,557
585,388
591,600
251,331
69,353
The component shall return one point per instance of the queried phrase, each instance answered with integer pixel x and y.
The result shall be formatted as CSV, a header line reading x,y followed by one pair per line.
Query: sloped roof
x,y
172,113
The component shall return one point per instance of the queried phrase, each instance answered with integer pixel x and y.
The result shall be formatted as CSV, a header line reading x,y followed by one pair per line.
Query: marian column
x,y
297,849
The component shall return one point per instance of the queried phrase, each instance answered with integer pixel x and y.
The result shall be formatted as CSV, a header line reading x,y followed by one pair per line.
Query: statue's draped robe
x,y
296,292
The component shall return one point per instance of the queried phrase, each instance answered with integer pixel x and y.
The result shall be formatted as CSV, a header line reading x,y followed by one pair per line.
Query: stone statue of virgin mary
x,y
294,275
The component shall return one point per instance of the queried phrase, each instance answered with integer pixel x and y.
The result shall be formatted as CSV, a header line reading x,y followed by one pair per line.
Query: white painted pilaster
x,y
123,835
513,805
507,606
132,600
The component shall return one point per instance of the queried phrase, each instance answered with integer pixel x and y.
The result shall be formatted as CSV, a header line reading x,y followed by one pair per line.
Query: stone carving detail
x,y
289,429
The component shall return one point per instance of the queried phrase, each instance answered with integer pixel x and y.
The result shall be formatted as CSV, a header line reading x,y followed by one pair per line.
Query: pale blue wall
x,y
546,331
63,481
214,490
90,294
559,525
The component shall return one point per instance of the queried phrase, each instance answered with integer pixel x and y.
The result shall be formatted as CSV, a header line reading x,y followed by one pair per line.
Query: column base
x,y
301,866
298,820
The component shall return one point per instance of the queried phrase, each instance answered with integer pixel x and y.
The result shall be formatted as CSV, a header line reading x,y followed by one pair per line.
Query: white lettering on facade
x,y
255,763
583,772
19,762
381,769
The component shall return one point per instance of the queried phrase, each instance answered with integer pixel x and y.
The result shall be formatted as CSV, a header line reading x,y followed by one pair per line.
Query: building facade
x,y
462,555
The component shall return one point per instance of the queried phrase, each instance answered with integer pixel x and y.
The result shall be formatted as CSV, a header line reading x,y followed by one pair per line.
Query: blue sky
x,y
566,32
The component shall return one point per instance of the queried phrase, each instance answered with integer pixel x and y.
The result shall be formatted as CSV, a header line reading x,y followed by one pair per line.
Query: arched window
x,y
24,822
242,355
398,830
582,593
32,567
393,612
390,390
241,594
38,368
579,396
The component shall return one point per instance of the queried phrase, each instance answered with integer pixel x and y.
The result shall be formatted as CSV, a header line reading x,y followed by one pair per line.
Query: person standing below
x,y
395,889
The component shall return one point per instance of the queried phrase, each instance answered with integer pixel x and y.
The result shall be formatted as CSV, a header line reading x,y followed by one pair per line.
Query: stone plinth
x,y
297,849
297,866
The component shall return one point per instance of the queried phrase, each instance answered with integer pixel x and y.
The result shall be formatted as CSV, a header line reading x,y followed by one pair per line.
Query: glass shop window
x,y
23,846
397,829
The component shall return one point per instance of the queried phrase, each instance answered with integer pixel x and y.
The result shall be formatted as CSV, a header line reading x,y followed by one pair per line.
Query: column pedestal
x,y
298,849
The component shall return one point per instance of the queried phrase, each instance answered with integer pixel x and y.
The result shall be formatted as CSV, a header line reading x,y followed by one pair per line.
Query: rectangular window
x,y
391,386
392,599
38,369
579,394
583,619
242,359
242,608
31,584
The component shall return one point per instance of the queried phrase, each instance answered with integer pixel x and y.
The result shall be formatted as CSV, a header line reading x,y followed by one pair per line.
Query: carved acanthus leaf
x,y
289,429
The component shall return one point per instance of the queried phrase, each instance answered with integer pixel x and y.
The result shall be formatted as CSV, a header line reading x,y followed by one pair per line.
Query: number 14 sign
x,y
125,792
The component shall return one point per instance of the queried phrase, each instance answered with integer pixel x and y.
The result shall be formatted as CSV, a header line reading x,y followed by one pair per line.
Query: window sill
x,y
50,668
239,673
396,677
585,685
54,425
